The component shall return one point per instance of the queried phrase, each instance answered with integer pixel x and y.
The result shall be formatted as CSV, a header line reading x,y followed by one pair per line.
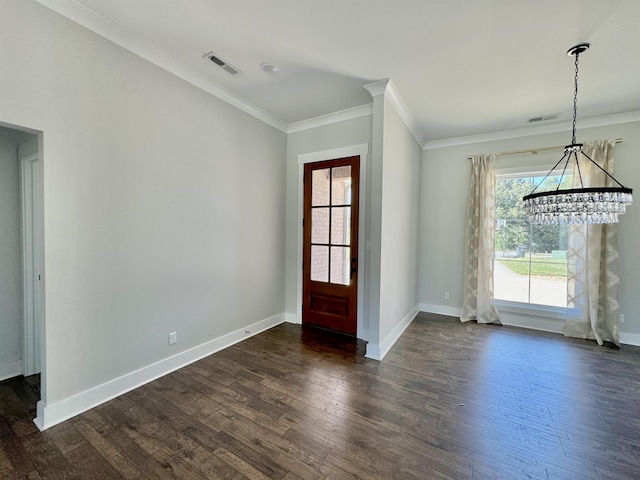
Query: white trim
x,y
10,370
534,317
361,150
545,319
532,321
52,414
31,245
405,114
331,118
530,309
630,338
377,352
292,318
377,88
525,171
534,130
340,152
387,88
441,309
125,39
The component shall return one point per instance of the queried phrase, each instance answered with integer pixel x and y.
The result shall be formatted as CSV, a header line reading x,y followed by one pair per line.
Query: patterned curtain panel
x,y
592,284
479,243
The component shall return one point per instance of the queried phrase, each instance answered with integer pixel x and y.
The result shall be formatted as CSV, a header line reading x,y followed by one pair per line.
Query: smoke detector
x,y
230,69
270,68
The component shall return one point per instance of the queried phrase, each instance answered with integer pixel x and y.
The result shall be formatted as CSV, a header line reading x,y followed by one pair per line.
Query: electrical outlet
x,y
173,338
620,318
446,295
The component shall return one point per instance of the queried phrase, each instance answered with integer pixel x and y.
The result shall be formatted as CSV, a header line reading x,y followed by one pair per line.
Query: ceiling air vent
x,y
543,118
230,69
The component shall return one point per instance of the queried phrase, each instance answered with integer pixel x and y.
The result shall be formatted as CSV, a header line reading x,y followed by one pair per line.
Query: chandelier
x,y
591,205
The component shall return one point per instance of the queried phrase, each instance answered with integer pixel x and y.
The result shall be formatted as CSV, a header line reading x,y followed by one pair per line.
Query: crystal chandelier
x,y
591,205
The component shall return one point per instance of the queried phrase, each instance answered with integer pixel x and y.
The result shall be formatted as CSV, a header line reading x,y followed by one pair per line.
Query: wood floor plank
x,y
449,401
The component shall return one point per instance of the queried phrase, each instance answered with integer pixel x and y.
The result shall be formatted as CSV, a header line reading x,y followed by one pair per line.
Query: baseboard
x,y
52,414
441,309
378,351
10,370
630,338
544,323
291,318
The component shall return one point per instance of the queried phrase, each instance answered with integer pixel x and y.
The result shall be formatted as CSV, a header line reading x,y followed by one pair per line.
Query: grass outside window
x,y
536,266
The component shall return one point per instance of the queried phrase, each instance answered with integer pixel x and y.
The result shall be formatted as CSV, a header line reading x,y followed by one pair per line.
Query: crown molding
x,y
330,118
407,117
377,88
590,122
388,88
104,27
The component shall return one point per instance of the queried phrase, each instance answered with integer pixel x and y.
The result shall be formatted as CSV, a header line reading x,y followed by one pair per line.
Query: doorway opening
x,y
350,193
21,258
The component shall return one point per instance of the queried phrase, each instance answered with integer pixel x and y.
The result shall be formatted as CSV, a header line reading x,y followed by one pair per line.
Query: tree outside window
x,y
530,260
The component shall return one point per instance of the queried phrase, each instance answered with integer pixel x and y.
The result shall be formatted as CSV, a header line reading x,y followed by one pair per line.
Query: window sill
x,y
542,311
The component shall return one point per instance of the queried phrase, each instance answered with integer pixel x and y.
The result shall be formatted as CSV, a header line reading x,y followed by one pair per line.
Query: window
x,y
530,263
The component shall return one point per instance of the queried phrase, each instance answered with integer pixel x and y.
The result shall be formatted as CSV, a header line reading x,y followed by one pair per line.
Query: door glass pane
x,y
320,187
341,185
340,265
320,225
319,263
341,225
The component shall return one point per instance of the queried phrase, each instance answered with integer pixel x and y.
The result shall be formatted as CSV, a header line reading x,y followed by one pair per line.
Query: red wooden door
x,y
330,251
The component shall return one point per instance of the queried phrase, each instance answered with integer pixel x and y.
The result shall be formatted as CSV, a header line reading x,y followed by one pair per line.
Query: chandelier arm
x,y
607,173
578,166
564,169
545,177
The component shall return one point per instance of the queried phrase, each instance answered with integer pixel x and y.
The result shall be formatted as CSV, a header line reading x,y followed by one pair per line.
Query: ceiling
x,y
463,67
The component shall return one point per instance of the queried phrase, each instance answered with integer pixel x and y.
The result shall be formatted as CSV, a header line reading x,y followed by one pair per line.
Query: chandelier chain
x,y
575,100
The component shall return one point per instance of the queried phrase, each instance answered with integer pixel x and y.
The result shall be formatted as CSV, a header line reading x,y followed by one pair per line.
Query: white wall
x,y
10,259
342,134
445,180
392,217
401,167
164,208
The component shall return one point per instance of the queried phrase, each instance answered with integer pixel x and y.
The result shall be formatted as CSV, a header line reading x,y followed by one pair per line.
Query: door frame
x,y
31,263
362,151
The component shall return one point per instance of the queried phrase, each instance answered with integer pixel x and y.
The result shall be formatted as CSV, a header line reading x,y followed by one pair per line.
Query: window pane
x,y
340,265
511,279
530,260
341,185
340,225
320,225
549,264
511,274
320,187
319,263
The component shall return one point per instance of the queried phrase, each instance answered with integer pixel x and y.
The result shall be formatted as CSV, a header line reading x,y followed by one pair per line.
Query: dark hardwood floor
x,y
450,400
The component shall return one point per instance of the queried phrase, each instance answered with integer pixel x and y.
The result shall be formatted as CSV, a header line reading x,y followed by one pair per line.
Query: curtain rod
x,y
532,150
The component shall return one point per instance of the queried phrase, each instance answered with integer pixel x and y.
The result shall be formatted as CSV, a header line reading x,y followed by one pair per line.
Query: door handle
x,y
354,266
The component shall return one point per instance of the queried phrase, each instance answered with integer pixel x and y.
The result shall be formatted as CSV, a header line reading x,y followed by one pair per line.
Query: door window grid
x,y
331,225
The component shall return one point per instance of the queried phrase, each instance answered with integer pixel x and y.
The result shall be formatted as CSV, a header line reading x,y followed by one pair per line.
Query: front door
x,y
330,251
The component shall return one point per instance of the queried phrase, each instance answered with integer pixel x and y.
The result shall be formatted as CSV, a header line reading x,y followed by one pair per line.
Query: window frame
x,y
545,312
